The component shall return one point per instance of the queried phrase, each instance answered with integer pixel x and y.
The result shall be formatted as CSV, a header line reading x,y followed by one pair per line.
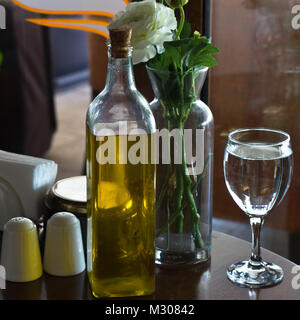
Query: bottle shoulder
x,y
128,106
202,110
200,115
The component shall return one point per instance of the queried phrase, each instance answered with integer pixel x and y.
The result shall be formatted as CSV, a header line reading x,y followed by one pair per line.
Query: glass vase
x,y
184,183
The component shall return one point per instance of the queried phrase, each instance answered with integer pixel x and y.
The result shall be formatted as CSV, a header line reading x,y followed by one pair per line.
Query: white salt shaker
x,y
20,253
63,253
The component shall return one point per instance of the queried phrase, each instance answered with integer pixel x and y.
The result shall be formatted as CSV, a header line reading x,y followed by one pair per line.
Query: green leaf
x,y
183,46
197,52
202,60
170,59
185,54
174,55
160,61
179,43
194,50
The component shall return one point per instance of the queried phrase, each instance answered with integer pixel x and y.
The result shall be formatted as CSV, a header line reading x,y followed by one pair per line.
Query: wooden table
x,y
201,282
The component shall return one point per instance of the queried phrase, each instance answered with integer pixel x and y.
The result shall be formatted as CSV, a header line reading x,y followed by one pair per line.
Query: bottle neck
x,y
119,73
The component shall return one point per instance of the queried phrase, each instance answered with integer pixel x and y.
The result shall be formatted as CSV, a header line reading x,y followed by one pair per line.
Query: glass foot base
x,y
246,274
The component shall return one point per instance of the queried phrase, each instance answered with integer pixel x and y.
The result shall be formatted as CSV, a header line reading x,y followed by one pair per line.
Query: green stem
x,y
195,215
183,196
190,199
179,191
163,191
165,185
167,226
168,232
194,188
181,24
184,187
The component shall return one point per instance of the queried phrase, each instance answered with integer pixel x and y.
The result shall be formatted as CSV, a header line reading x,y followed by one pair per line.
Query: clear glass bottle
x,y
121,187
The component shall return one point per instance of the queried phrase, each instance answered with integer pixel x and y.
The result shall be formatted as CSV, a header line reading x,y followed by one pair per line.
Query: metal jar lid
x,y
68,195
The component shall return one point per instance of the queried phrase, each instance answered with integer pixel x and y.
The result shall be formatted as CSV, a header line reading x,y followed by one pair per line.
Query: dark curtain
x,y
27,119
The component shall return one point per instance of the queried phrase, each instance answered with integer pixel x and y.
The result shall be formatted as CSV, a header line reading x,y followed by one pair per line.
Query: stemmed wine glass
x,y
258,165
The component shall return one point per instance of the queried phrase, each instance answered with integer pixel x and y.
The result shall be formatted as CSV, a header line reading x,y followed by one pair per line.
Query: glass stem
x,y
256,225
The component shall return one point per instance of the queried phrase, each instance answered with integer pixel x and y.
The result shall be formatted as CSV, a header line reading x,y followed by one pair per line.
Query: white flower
x,y
152,24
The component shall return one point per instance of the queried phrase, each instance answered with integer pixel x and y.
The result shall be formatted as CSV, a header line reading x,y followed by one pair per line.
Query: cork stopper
x,y
120,41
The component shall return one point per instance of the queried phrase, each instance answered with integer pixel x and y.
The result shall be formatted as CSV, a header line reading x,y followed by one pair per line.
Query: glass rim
x,y
283,133
198,69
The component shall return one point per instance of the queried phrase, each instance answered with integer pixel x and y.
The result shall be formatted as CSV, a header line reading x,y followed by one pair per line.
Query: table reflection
x,y
66,288
253,294
23,290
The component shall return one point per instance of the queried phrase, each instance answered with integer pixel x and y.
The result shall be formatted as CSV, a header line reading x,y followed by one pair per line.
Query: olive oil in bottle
x,y
121,192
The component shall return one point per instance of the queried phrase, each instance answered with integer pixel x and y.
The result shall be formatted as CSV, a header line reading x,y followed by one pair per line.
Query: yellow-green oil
x,y
121,218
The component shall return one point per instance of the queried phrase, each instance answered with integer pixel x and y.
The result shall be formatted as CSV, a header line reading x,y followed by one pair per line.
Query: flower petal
x,y
152,24
142,55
